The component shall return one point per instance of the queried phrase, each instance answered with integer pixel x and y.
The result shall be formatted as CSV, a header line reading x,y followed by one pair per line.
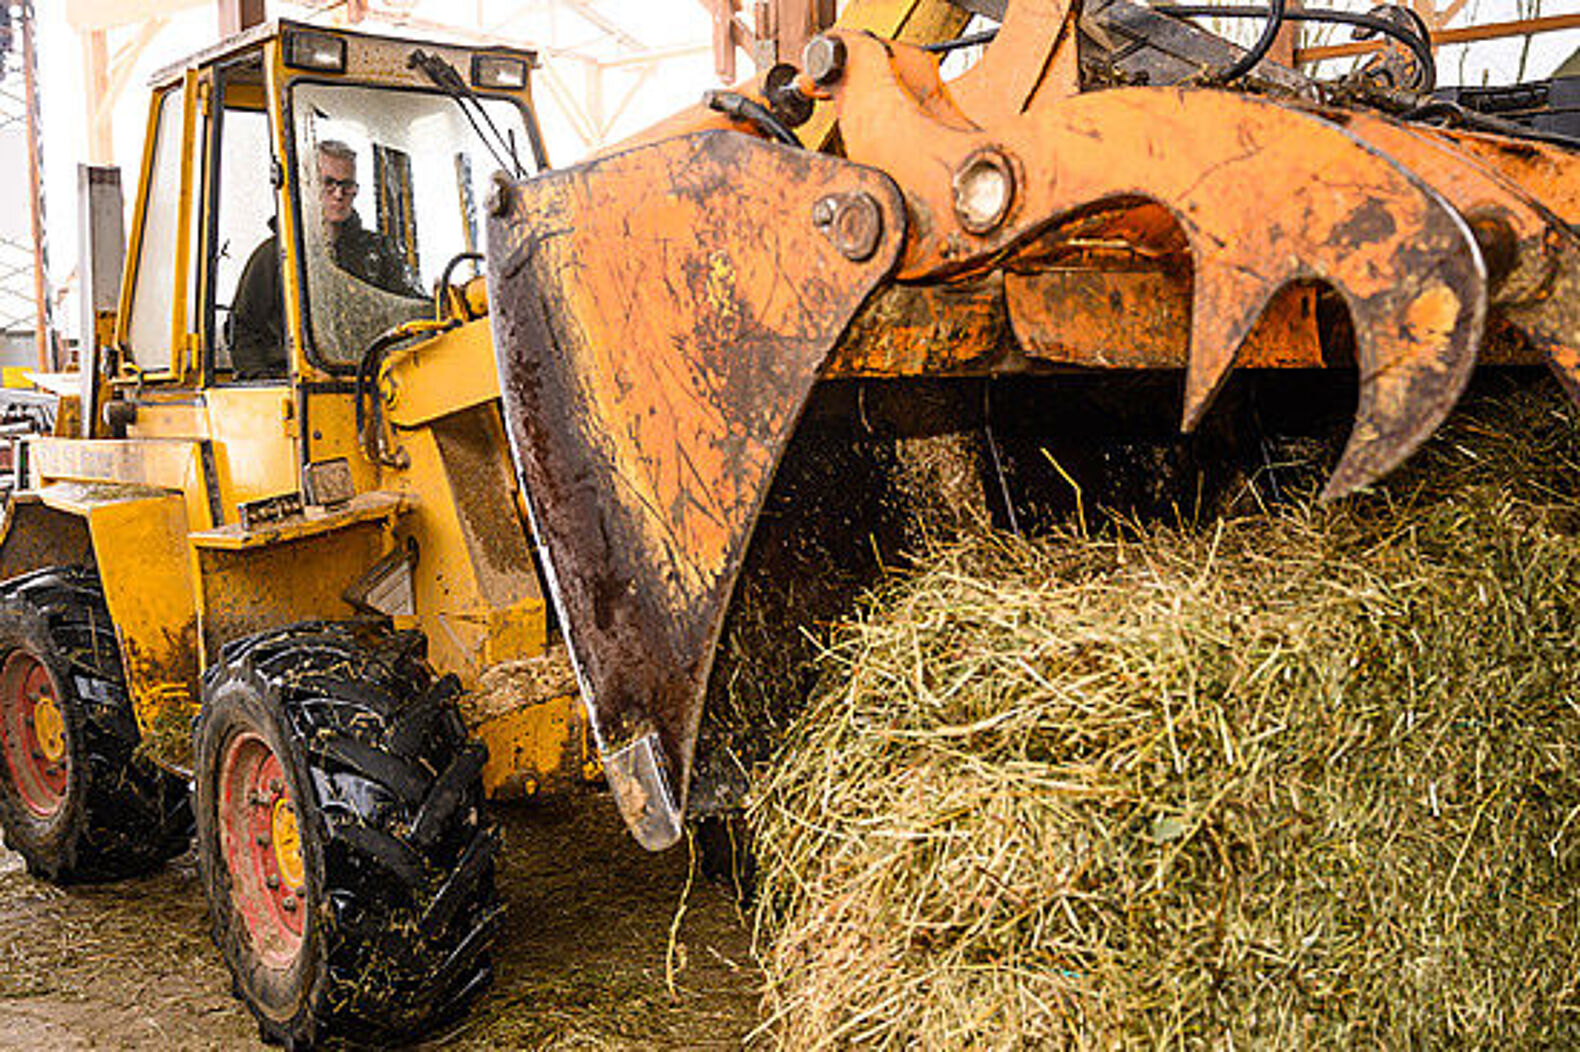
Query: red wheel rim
x,y
261,844
34,731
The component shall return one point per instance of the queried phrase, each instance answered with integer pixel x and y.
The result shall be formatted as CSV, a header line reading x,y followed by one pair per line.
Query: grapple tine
x,y
1552,319
1405,264
1532,253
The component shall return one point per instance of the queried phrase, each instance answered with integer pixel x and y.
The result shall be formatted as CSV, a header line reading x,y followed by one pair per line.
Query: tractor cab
x,y
304,192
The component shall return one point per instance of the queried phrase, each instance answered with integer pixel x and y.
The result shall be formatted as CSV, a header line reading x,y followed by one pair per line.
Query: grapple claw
x,y
1330,208
1533,254
1552,319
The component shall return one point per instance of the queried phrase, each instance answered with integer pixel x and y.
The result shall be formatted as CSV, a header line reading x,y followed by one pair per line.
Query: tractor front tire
x,y
343,847
76,800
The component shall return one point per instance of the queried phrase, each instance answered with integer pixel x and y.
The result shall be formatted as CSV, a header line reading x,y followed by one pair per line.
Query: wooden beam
x,y
107,78
724,38
86,15
650,58
642,77
1469,35
96,71
598,20
794,23
568,105
1288,42
236,15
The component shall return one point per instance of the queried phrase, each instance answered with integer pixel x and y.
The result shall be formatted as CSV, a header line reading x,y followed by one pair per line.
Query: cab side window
x,y
250,336
150,330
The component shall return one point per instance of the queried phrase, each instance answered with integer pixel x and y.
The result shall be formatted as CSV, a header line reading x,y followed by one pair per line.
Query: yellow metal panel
x,y
254,431
463,356
139,544
251,589
538,748
34,536
473,613
171,464
329,427
169,420
365,507
68,416
514,632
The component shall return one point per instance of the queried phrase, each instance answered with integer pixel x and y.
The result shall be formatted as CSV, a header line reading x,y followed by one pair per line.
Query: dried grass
x,y
513,685
1303,778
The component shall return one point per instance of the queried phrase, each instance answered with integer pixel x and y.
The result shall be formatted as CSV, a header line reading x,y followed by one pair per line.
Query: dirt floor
x,y
581,964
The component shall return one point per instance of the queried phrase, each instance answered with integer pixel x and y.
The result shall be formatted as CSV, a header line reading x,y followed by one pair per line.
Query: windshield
x,y
391,184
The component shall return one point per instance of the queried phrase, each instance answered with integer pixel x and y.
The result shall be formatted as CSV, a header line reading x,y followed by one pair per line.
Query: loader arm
x,y
662,313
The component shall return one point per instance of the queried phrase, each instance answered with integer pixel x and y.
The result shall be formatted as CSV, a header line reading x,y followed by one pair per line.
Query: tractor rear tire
x,y
76,800
348,863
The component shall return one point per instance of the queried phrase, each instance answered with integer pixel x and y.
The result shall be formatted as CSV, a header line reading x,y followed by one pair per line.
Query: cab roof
x,y
248,39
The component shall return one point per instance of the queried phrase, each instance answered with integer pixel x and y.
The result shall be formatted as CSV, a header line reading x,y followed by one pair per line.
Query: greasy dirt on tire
x,y
586,959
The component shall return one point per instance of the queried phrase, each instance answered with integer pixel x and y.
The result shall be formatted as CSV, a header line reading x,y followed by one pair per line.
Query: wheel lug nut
x,y
273,882
288,904
276,787
263,839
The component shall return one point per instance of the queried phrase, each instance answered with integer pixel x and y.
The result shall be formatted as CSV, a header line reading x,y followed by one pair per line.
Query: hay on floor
x,y
1304,778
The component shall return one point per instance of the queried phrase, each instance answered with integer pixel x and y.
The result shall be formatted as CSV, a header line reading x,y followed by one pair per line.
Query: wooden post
x,y
1288,41
42,329
236,15
96,72
724,40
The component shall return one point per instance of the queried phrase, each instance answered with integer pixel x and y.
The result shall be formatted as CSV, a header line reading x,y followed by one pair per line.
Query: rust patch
x,y
162,681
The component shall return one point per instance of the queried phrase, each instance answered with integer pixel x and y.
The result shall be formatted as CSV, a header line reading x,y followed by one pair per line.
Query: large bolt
x,y
1499,244
984,190
499,196
852,221
824,59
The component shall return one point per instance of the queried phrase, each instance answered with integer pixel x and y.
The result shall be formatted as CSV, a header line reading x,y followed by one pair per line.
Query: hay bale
x,y
1307,778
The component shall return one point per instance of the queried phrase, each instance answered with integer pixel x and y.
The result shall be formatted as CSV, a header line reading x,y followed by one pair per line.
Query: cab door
x,y
248,390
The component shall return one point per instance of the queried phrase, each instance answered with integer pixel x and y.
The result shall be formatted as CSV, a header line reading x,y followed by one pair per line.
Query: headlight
x,y
499,71
320,51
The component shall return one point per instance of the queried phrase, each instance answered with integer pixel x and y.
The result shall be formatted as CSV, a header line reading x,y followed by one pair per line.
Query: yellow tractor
x,y
350,539
216,539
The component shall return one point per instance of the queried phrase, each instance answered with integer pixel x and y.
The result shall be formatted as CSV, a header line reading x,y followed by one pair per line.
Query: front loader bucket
x,y
660,316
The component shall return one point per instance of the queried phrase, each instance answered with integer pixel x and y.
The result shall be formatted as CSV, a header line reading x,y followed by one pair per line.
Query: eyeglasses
x,y
342,186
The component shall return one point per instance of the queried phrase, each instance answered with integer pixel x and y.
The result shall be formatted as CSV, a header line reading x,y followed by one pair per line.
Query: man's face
x,y
337,182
